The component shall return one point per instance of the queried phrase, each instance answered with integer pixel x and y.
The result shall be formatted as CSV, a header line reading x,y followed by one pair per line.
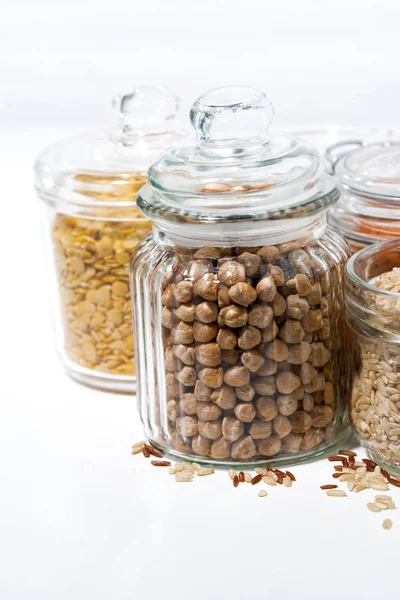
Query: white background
x,y
80,519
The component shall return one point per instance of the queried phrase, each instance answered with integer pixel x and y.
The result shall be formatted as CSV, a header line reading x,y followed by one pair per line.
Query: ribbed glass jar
x,y
239,324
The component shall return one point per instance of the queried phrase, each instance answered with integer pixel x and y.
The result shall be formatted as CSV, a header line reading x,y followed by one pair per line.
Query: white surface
x,y
82,519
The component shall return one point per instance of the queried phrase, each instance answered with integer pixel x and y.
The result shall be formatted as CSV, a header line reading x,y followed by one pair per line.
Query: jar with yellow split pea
x,y
88,185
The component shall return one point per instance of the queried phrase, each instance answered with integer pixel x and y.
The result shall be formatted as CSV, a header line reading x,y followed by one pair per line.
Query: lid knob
x,y
235,117
146,110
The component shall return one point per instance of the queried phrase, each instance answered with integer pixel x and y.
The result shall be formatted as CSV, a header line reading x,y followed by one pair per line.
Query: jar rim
x,y
366,253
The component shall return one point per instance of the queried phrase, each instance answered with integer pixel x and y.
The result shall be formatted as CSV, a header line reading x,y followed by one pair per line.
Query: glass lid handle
x,y
232,117
146,110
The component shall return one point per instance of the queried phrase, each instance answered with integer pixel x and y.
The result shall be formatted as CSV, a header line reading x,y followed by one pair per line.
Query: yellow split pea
x,y
92,264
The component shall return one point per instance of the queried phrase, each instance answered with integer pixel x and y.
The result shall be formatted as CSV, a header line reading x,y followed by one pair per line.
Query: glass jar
x,y
369,208
88,185
373,312
240,336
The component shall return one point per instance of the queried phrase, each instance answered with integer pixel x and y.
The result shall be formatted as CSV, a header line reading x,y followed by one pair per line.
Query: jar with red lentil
x,y
88,185
369,176
239,324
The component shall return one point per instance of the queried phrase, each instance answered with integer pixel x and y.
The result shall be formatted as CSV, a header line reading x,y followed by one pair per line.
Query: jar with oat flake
x,y
88,185
373,313
240,334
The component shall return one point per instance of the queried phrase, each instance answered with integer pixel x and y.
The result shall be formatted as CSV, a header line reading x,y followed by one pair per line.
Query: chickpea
x,y
287,404
182,333
233,316
183,291
227,339
298,353
315,294
210,429
187,426
321,415
277,275
260,430
307,373
270,446
291,332
308,402
206,287
171,410
292,442
267,408
287,382
204,332
232,429
237,376
188,404
245,393
224,397
208,411
319,354
278,305
166,317
201,445
206,312
317,384
224,298
231,272
245,412
185,312
208,252
312,321
243,448
265,386
313,437
251,263
212,377
277,351
242,293
208,354
268,368
179,443
249,337
297,307
220,449
252,360
260,315
184,353
186,376
230,357
200,268
270,332
302,262
269,253
266,289
202,391
282,426
301,421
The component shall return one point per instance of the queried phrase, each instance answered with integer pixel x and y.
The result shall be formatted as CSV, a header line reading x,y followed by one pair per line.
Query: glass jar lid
x,y
110,165
236,171
372,170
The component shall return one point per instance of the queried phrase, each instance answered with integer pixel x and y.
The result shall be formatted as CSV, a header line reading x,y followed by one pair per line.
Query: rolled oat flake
x,y
88,185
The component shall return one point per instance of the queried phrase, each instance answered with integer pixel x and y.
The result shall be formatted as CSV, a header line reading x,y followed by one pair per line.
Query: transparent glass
x,y
369,173
373,315
88,255
88,186
241,344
